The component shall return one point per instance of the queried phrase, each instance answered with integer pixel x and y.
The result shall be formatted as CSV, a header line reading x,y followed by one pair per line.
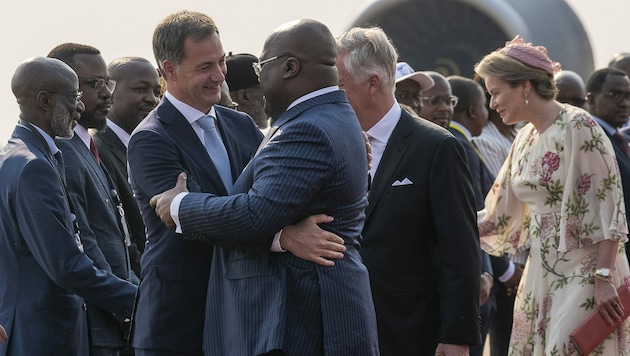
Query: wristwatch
x,y
603,273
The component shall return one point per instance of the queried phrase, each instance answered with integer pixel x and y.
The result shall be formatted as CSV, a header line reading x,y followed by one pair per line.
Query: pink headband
x,y
534,56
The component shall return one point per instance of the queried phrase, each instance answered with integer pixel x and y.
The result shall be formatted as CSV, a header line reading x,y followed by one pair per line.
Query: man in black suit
x,y
137,93
608,98
420,237
92,191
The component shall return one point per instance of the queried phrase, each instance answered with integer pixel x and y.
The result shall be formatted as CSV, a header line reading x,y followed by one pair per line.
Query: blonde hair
x,y
515,72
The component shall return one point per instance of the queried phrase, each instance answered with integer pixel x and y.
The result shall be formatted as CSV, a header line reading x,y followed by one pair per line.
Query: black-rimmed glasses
x,y
259,65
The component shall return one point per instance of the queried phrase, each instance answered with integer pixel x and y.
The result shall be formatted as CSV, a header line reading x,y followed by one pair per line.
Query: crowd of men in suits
x,y
307,241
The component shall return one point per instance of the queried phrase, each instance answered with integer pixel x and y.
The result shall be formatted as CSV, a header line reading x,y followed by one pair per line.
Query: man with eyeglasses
x,y
409,86
93,194
608,94
188,132
571,89
438,101
46,277
420,239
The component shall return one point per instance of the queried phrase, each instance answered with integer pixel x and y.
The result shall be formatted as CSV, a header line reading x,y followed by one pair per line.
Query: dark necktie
x,y
623,143
94,150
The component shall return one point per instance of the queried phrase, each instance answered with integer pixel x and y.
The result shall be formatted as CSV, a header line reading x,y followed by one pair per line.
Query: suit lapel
x,y
183,134
117,147
392,156
88,158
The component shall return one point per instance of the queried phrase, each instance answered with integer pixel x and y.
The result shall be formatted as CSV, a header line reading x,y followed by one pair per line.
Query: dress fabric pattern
x,y
560,192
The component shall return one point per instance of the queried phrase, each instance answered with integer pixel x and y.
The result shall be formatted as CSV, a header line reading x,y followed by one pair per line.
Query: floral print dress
x,y
559,192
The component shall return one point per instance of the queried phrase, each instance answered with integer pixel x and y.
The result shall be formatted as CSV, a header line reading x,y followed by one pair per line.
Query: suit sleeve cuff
x,y
175,210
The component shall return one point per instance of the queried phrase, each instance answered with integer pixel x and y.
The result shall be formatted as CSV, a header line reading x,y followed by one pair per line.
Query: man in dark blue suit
x,y
420,236
100,216
312,162
45,274
171,307
608,98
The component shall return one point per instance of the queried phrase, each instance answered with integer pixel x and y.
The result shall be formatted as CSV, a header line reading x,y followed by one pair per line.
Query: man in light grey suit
x,y
313,161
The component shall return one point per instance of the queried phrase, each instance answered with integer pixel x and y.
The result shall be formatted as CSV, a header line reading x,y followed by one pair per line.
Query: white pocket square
x,y
405,181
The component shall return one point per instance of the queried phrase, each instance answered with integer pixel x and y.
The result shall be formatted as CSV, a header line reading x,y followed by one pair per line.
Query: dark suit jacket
x,y
44,274
99,224
315,163
171,306
113,154
421,243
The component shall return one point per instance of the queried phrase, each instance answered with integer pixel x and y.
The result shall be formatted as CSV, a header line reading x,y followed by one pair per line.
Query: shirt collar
x,y
49,140
459,127
606,126
83,134
191,114
313,94
119,131
385,126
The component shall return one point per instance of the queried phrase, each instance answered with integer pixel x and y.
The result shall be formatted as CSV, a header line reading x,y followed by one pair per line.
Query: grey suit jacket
x,y
44,274
314,163
99,223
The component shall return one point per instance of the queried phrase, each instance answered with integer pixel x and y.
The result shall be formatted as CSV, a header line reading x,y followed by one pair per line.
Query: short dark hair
x,y
597,79
65,52
170,34
465,90
114,66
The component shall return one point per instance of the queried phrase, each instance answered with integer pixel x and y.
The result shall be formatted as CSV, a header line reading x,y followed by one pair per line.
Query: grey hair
x,y
367,52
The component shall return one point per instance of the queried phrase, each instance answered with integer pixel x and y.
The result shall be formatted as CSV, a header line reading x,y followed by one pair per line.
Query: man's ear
x,y
169,69
44,99
291,68
471,112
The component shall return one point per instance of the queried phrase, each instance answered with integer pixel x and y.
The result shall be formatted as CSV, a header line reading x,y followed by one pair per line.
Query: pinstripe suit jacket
x,y
101,233
171,304
314,163
421,242
44,274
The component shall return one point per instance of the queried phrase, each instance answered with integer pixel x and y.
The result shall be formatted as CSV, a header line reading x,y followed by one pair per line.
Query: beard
x,y
61,122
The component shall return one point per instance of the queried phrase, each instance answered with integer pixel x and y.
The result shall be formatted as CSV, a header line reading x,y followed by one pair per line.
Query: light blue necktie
x,y
216,149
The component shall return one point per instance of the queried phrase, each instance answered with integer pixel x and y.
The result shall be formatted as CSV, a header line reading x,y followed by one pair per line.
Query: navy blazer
x,y
314,163
421,243
101,232
45,276
171,305
113,154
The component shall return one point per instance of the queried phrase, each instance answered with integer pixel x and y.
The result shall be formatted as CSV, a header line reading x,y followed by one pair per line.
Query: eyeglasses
x,y
259,65
408,96
617,95
76,95
98,84
449,100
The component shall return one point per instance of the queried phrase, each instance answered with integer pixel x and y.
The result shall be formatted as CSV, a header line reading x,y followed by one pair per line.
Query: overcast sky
x,y
124,28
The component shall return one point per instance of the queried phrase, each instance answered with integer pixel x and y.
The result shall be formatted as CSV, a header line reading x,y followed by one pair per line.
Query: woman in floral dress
x,y
559,191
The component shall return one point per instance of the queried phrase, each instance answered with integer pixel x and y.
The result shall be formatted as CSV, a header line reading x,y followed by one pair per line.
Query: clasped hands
x,y
305,239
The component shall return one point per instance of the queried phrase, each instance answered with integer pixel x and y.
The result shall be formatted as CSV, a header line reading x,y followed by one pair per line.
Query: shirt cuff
x,y
275,245
175,210
505,276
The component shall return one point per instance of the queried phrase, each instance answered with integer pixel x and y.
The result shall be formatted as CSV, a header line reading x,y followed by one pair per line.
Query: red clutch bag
x,y
588,335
